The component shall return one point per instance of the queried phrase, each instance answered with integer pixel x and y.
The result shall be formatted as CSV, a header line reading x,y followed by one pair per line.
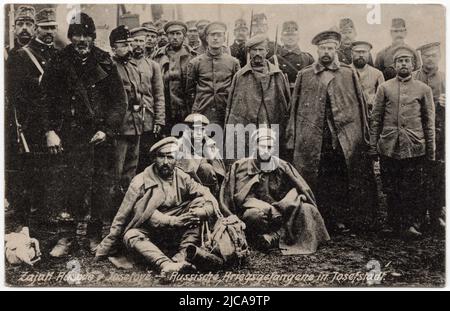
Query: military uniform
x,y
237,49
292,61
384,60
209,79
24,92
328,133
151,98
370,77
205,166
257,192
403,134
344,51
435,174
90,97
174,71
145,220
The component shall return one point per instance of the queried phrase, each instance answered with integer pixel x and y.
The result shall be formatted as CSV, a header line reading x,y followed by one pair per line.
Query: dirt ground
x,y
351,260
347,260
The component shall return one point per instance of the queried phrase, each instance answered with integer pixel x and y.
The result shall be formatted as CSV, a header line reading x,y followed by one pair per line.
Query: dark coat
x,y
350,115
249,96
238,50
25,92
83,99
174,76
291,62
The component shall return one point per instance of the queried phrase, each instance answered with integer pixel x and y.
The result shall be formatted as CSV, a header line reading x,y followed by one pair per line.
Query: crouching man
x,y
199,155
273,200
161,212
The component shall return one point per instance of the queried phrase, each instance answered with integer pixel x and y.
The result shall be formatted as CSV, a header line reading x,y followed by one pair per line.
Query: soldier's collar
x,y
285,51
254,167
406,79
272,68
42,43
318,67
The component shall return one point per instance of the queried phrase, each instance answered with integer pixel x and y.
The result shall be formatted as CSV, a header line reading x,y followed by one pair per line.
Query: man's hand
x,y
53,142
157,129
98,138
199,212
187,220
442,100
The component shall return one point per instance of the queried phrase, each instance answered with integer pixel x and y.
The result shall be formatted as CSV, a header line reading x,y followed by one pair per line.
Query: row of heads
x,y
81,23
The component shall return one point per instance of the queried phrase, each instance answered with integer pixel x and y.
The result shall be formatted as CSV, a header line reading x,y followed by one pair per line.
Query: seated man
x,y
160,214
199,155
273,200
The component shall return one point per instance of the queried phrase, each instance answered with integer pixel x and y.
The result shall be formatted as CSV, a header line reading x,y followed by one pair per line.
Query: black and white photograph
x,y
216,145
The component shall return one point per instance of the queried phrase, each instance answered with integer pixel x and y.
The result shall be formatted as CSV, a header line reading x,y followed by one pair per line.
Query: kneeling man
x,y
273,200
160,214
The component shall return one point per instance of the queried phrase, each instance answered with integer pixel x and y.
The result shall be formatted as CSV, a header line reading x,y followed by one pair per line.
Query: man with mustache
x,y
348,32
369,76
174,59
291,59
24,72
193,38
402,135
384,60
328,134
237,49
150,95
435,173
160,215
271,197
162,36
209,76
24,27
260,26
85,105
259,93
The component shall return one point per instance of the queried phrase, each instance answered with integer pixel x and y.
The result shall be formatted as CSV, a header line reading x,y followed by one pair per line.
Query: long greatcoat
x,y
350,115
249,96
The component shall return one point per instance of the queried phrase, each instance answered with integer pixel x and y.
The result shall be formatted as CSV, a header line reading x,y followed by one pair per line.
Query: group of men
x,y
103,125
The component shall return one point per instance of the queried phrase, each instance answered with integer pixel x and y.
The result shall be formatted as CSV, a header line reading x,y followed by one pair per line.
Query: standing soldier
x,y
348,34
151,41
370,77
150,94
24,72
174,59
435,175
209,76
85,104
261,27
126,146
193,39
402,133
162,36
237,49
291,59
201,25
259,93
24,27
328,133
385,58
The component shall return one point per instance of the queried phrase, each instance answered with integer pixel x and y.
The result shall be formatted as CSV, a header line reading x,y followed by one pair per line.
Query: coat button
x,y
73,97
